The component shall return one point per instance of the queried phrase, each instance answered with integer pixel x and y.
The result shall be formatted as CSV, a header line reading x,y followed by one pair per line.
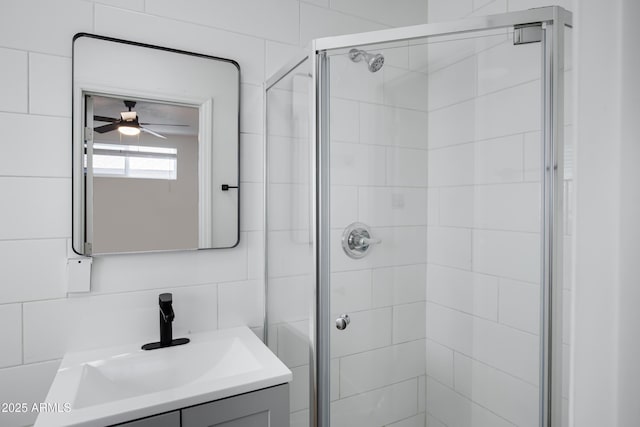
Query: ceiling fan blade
x,y
104,119
152,132
106,128
161,124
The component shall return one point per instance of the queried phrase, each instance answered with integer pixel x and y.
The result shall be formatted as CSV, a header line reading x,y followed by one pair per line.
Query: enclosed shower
x,y
418,188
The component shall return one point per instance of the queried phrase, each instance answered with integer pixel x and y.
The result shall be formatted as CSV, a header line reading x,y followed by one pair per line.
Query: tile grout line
x,y
469,356
465,397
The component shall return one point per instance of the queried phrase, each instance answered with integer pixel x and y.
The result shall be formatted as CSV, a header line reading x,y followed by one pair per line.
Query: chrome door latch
x,y
343,321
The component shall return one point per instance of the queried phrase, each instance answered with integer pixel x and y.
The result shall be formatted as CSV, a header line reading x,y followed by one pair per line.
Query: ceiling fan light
x,y
129,130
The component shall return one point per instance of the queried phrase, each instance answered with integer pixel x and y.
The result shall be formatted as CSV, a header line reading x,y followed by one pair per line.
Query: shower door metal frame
x,y
554,21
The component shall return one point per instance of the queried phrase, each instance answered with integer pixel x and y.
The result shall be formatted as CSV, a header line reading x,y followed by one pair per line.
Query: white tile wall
x,y
293,347
463,290
407,322
350,291
344,120
375,369
503,112
368,330
21,281
240,304
484,177
357,164
349,82
498,160
212,288
449,246
299,388
378,407
453,84
513,399
406,167
146,28
439,362
52,328
251,202
496,6
316,22
35,208
344,205
294,251
433,422
385,125
396,14
416,421
507,254
398,285
251,150
513,207
14,84
453,409
220,14
11,316
532,156
125,4
406,89
49,85
392,206
511,350
503,66
36,145
42,26
445,10
455,206
294,212
520,305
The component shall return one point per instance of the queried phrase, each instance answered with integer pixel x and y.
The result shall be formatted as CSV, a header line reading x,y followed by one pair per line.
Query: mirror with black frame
x,y
155,148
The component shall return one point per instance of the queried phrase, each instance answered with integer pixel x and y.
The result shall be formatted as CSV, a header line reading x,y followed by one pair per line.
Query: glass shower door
x,y
289,236
436,236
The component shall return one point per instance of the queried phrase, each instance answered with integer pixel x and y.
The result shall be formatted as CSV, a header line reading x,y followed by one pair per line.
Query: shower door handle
x,y
343,321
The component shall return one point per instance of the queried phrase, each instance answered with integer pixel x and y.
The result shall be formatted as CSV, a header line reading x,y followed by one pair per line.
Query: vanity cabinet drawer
x,y
170,419
262,408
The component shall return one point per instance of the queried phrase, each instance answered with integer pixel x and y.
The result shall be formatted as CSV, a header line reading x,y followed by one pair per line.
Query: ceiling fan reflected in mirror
x,y
128,123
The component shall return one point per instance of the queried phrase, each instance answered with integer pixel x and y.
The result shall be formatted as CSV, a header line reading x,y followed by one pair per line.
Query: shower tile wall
x,y
379,177
483,236
483,242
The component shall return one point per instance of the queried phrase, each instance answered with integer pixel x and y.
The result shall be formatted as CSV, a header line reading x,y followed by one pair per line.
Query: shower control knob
x,y
343,321
357,240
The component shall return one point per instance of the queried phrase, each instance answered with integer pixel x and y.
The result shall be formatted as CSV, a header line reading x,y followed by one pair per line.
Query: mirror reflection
x,y
156,148
145,176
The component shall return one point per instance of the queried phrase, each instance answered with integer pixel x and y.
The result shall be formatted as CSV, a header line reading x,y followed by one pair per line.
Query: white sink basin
x,y
119,384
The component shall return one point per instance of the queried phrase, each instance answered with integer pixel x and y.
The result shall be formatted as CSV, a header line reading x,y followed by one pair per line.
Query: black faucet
x,y
166,331
166,318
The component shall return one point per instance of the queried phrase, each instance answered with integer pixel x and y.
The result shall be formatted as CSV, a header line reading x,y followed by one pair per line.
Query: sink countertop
x,y
124,383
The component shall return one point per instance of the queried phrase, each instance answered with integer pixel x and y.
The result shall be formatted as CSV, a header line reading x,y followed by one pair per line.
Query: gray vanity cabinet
x,y
262,408
268,407
170,419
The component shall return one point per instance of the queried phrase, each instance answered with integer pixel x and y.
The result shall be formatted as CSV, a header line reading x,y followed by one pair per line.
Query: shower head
x,y
374,61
